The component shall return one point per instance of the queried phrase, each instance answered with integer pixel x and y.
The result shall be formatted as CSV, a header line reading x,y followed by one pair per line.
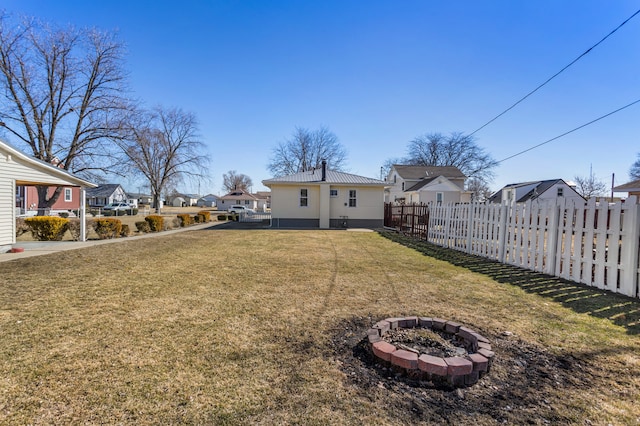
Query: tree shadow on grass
x,y
619,309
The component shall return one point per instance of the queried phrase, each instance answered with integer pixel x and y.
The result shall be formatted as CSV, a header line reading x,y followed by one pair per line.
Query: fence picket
x,y
595,244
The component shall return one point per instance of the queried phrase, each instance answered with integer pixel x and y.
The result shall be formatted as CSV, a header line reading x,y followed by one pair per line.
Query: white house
x,y
103,195
423,184
325,199
238,197
208,200
535,190
18,169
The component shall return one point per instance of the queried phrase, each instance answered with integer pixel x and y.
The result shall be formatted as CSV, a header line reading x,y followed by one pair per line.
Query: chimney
x,y
324,170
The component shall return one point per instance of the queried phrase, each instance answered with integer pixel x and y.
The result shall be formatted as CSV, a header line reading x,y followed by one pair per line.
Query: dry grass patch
x,y
265,327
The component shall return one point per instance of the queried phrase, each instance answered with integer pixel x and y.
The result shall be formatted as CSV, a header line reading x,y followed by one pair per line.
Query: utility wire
x,y
570,131
554,76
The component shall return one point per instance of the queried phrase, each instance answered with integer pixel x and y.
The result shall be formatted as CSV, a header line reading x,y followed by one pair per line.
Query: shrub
x,y
125,231
185,219
223,217
47,228
74,229
205,216
132,211
107,228
143,226
21,227
64,215
196,219
156,222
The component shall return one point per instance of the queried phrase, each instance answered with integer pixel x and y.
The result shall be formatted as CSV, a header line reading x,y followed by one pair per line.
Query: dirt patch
x,y
425,341
524,386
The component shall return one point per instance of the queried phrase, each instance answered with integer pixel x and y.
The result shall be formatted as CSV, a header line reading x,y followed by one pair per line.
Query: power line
x,y
570,131
554,76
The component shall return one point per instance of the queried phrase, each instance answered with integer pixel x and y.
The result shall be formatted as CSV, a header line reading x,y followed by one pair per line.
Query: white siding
x,y
7,210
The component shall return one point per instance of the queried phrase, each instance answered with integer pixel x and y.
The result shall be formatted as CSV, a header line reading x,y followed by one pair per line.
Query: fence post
x,y
502,232
470,225
629,254
552,243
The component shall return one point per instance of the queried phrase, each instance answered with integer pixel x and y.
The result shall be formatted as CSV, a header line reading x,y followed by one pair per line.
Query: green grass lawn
x,y
263,327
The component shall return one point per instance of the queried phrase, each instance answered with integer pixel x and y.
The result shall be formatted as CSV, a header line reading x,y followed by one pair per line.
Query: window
x,y
333,193
352,198
304,197
395,178
439,197
560,192
403,186
67,194
247,202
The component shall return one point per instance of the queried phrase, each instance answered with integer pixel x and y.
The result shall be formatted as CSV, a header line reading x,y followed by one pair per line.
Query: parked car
x,y
240,209
118,209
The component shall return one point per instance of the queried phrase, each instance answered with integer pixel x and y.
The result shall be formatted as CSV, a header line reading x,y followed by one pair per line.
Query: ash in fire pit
x,y
433,349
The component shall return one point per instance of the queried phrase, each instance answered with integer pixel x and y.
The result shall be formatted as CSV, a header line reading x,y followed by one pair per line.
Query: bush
x,y
47,228
197,218
132,211
125,231
156,222
74,229
204,216
223,217
185,219
21,227
143,226
107,228
64,215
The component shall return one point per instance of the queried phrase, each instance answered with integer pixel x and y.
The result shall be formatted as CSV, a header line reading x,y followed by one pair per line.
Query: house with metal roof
x,y
324,199
535,190
423,184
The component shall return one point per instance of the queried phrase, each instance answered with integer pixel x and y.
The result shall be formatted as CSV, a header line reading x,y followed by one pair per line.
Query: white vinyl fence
x,y
594,244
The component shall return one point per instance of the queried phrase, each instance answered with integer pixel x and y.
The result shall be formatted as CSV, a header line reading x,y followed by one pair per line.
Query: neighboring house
x,y
535,190
106,194
18,169
184,200
631,188
238,197
264,200
325,199
423,184
27,200
139,199
209,200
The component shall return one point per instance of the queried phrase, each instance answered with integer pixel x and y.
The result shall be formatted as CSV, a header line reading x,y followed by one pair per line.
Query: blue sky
x,y
379,73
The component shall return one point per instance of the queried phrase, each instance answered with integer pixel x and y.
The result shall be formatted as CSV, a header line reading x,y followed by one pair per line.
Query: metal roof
x,y
332,176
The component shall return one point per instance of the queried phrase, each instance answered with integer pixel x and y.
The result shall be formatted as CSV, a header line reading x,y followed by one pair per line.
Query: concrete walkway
x,y
38,248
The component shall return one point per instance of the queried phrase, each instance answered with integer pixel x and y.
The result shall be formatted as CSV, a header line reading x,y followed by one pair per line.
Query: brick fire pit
x,y
456,371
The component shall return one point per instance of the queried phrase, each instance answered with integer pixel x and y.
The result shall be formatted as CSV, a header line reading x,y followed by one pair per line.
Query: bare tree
x,y
479,189
305,150
590,186
233,180
61,91
165,147
456,149
634,171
